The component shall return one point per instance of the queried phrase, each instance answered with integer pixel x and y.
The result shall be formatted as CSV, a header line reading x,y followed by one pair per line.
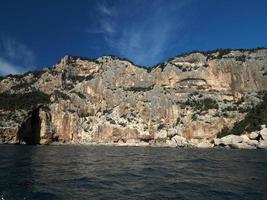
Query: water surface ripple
x,y
102,172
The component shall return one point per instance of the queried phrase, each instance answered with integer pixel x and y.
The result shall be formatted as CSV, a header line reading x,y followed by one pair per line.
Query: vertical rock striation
x,y
185,101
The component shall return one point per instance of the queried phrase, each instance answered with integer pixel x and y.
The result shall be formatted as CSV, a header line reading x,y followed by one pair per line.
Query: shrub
x,y
194,117
240,101
23,101
241,58
209,103
82,96
60,95
36,74
161,126
178,121
122,124
230,108
76,78
139,89
255,117
203,104
223,52
22,85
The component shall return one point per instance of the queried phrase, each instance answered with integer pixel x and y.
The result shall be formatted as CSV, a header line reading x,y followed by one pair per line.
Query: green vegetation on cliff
x,y
23,101
202,104
255,117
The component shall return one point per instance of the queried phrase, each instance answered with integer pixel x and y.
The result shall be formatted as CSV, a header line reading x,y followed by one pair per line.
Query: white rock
x,y
245,138
263,133
171,143
217,141
248,141
231,139
262,144
254,143
194,141
263,126
133,141
172,132
238,142
242,145
253,135
204,145
161,134
121,142
180,141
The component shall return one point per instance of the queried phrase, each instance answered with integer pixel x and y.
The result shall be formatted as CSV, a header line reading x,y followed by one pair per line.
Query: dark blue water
x,y
88,172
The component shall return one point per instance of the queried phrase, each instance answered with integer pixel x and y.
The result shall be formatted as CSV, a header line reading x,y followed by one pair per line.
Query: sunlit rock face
x,y
185,101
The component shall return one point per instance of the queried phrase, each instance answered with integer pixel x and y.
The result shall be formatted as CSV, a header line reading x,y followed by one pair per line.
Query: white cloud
x,y
104,9
104,20
143,46
15,57
140,30
7,68
107,26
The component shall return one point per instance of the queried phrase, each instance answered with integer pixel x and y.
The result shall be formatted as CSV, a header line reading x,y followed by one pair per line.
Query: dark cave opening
x,y
29,131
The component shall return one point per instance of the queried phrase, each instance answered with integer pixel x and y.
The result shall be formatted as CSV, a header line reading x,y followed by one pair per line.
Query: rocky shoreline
x,y
254,140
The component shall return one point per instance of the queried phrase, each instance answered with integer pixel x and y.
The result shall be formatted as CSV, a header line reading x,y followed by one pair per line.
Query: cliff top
x,y
190,57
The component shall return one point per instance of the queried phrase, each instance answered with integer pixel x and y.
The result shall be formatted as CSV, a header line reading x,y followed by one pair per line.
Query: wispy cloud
x,y
105,9
107,26
105,23
7,68
15,57
141,30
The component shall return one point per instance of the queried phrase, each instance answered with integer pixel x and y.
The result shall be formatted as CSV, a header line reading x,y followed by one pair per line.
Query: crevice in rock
x,y
29,131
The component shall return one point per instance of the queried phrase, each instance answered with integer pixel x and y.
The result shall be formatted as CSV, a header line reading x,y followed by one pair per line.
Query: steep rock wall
x,y
109,100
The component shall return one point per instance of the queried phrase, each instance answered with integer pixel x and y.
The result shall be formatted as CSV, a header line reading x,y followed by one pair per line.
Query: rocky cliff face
x,y
185,101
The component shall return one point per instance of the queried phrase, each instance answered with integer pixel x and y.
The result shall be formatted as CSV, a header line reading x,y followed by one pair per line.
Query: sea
x,y
107,172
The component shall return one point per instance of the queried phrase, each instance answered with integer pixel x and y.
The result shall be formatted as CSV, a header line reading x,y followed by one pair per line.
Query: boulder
x,y
121,142
263,133
229,139
248,141
253,135
171,143
242,145
217,141
180,141
161,134
262,144
132,141
200,143
253,143
205,144
237,142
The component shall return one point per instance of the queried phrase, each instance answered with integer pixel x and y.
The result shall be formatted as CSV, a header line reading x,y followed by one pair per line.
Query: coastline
x,y
253,140
93,144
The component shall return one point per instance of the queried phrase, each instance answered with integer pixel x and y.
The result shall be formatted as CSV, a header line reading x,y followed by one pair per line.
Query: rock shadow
x,y
29,132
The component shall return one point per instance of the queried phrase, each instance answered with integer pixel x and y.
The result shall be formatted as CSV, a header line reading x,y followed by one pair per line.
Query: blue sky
x,y
35,34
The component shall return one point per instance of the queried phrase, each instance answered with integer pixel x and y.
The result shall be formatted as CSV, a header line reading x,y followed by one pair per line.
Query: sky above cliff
x,y
35,34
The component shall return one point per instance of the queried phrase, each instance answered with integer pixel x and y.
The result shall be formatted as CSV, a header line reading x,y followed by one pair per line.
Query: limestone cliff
x,y
109,100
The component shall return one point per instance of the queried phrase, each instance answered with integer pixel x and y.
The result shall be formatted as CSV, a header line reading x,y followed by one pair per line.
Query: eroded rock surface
x,y
246,141
185,101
